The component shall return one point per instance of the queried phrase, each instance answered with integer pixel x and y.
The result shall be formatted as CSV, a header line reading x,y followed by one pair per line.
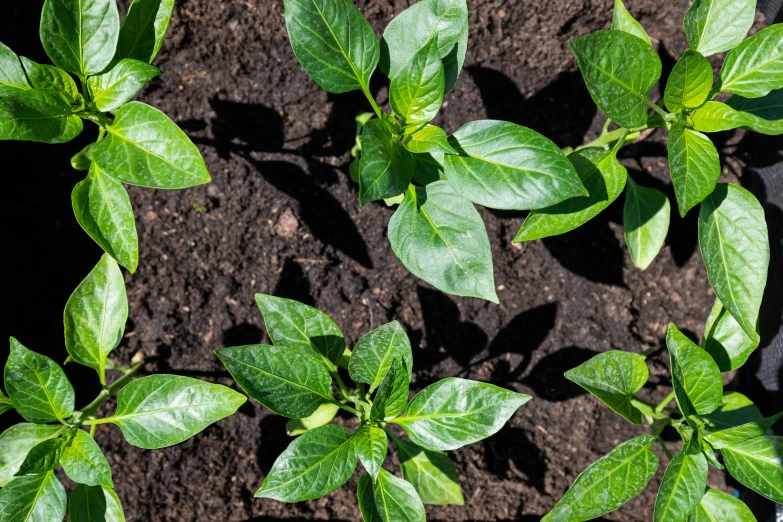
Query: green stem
x,y
343,388
347,408
647,408
85,89
79,418
378,111
663,446
654,106
659,408
610,138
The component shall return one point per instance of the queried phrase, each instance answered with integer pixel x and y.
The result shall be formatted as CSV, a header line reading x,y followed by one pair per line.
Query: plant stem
x,y
665,449
343,388
654,106
607,139
79,418
378,111
347,408
664,402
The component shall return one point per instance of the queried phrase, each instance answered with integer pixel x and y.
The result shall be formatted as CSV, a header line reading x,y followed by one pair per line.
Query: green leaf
x,y
725,340
323,415
613,377
609,482
429,167
287,380
95,316
162,410
717,117
333,42
144,147
5,404
646,216
37,385
12,77
371,445
506,166
440,237
757,464
84,462
416,93
33,498
412,29
80,36
314,465
49,77
698,384
39,115
755,67
139,39
619,70
682,485
366,499
455,412
765,114
622,20
427,139
103,209
735,409
739,434
689,83
16,443
82,159
602,176
396,500
735,247
375,352
116,87
392,396
94,504
694,166
431,473
715,26
43,457
385,168
719,506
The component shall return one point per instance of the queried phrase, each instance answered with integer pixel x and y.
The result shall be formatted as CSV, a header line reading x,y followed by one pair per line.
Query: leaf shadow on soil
x,y
255,133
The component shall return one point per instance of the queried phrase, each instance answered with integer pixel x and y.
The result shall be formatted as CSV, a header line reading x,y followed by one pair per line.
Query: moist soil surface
x,y
282,217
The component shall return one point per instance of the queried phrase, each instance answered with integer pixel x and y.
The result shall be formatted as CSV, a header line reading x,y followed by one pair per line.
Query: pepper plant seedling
x,y
152,412
294,378
707,419
436,231
136,144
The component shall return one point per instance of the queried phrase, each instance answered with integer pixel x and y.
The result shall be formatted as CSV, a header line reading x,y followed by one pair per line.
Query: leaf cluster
x,y
302,376
152,412
136,144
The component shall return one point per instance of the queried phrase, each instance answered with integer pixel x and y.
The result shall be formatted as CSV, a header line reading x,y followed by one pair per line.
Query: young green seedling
x,y
620,67
136,144
152,412
294,378
436,231
706,418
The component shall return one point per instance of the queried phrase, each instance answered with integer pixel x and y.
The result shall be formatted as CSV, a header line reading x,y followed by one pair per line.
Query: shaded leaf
x,y
694,166
613,377
697,381
84,462
43,457
717,117
139,39
314,465
371,445
766,113
116,87
144,147
725,340
333,42
82,159
162,410
49,77
715,26
39,115
392,396
609,482
689,83
287,380
37,385
431,473
323,415
755,67
719,506
373,355
506,166
290,323
739,434
602,176
12,77
429,167
455,412
32,498
396,500
16,443
757,464
94,504
734,244
619,70
438,236
366,499
386,168
646,216
735,409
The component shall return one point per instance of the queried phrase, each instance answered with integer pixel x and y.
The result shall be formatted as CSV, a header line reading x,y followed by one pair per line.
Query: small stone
x,y
287,225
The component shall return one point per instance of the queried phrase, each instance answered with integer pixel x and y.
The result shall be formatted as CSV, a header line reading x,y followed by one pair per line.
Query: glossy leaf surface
x,y
734,244
121,83
725,340
392,396
428,139
323,415
682,486
143,29
604,179
455,412
144,147
39,115
440,237
755,67
766,113
431,473
646,216
287,380
619,70
715,26
416,93
698,384
719,506
716,117
33,498
84,462
12,77
735,409
16,443
43,457
373,355
314,465
371,445
622,20
506,166
757,464
739,434
694,166
396,500
689,83
613,377
386,168
49,77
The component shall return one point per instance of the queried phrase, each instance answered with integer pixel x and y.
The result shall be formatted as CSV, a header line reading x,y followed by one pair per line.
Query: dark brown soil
x,y
274,142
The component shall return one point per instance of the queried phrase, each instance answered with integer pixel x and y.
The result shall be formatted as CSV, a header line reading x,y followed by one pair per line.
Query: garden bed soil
x,y
282,217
